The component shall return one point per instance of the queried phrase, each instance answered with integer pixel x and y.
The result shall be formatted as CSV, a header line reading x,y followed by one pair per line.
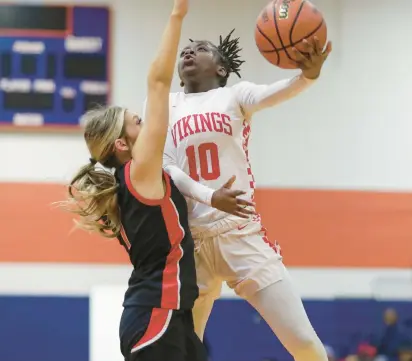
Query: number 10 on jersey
x,y
207,154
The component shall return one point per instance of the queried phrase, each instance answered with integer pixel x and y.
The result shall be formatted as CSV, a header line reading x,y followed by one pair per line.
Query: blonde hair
x,y
93,190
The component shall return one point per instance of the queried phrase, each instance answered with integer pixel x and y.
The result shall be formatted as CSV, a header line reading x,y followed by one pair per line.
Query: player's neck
x,y
123,158
201,87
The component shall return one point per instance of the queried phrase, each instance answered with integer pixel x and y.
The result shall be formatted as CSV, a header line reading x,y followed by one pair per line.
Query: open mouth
x,y
188,60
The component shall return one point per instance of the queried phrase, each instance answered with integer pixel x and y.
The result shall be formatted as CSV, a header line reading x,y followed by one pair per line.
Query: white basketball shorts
x,y
239,254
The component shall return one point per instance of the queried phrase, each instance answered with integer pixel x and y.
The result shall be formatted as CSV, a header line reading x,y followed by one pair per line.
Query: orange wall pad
x,y
315,228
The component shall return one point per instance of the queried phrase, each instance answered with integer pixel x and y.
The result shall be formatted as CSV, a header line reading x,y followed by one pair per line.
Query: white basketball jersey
x,y
208,139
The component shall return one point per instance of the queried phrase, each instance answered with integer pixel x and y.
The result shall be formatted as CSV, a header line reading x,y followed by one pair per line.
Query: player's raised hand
x,y
180,7
225,199
312,58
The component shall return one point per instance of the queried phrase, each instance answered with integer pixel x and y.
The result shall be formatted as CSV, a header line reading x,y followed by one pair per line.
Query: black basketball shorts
x,y
154,334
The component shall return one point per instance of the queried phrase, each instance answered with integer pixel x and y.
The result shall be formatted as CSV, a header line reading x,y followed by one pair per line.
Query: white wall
x,y
326,283
351,130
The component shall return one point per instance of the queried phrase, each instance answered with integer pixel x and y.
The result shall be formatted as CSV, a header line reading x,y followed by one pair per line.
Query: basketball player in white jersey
x,y
207,144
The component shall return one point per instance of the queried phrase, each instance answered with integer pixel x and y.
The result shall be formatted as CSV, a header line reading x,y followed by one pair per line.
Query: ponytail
x,y
93,196
93,190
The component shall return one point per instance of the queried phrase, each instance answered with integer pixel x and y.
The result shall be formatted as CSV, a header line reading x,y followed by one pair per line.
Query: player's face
x,y
197,58
132,126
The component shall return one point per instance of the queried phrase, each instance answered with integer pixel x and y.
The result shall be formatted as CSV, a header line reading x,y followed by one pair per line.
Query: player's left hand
x,y
312,58
227,200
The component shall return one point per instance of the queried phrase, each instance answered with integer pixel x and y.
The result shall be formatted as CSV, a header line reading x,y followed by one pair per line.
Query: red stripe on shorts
x,y
274,245
158,324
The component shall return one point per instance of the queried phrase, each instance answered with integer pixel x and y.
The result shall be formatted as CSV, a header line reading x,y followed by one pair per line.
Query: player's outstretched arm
x,y
147,152
253,98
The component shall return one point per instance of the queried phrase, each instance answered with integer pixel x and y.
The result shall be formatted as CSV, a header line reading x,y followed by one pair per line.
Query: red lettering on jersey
x,y
228,127
206,122
174,134
179,127
186,126
196,121
217,123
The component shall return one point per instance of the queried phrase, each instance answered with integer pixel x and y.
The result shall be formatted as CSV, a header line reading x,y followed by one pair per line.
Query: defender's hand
x,y
226,200
180,7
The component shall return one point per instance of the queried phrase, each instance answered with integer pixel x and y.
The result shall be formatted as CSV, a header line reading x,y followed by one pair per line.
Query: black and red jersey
x,y
157,238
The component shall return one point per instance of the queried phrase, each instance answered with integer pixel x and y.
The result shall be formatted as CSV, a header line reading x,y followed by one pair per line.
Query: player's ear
x,y
221,71
121,144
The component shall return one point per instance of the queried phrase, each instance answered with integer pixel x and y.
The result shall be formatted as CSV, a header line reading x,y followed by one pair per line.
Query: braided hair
x,y
228,51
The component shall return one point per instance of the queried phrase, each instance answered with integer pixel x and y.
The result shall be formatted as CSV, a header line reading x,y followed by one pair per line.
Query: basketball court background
x,y
334,176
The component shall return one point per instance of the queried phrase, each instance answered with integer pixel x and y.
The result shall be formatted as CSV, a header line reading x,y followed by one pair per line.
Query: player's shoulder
x,y
240,90
242,85
174,95
174,98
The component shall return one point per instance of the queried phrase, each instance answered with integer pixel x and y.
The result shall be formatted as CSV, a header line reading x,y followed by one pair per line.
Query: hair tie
x,y
92,161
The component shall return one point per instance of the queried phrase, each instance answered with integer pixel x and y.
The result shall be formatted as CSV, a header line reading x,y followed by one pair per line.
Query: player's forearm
x,y
188,187
281,91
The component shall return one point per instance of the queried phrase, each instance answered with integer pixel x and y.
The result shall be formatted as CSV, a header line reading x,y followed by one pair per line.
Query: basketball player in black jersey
x,y
141,206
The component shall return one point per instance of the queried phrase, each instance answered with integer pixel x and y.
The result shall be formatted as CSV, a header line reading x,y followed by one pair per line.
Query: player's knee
x,y
309,348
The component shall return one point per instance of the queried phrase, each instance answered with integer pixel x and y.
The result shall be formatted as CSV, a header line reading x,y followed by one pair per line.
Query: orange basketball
x,y
284,24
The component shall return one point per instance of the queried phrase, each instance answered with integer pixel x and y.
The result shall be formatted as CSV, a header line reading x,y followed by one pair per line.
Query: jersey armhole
x,y
123,239
235,92
138,196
